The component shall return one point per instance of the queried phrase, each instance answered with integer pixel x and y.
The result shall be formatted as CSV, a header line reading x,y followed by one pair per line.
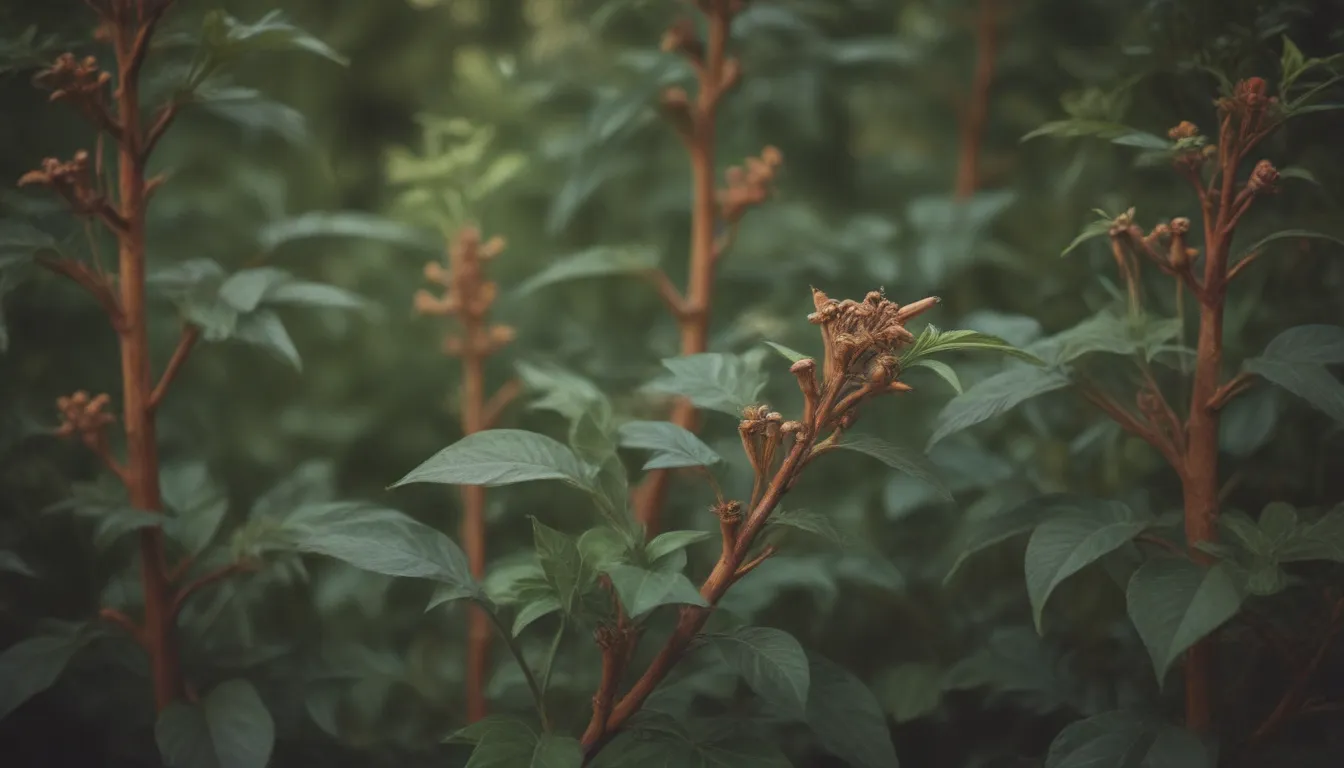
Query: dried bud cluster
x,y
72,180
1165,245
1263,178
861,334
83,416
468,295
748,186
729,512
74,79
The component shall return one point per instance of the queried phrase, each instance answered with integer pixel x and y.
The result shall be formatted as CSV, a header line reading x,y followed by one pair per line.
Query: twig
x,y
97,286
753,563
156,131
113,616
213,577
1224,394
190,335
668,292
502,397
1245,262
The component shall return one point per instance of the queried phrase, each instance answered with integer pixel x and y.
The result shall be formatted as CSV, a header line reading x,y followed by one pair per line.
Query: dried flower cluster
x,y
83,416
73,180
748,186
468,295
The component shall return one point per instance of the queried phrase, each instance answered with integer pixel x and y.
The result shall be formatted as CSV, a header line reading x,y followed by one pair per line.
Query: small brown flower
x,y
1263,177
1184,130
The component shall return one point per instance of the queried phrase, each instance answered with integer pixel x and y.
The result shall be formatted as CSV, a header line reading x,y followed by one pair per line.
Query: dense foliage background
x,y
540,114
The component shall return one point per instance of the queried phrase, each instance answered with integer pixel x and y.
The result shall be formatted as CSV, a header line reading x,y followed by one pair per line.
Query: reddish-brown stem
x,y
668,292
494,407
1243,263
156,131
693,317
190,335
1294,698
213,577
1132,423
472,533
1227,392
977,109
115,617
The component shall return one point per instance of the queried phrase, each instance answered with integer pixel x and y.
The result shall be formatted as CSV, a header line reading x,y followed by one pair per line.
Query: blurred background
x,y
900,123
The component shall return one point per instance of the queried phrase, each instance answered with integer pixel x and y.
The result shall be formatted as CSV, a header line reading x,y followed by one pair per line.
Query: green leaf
x,y
531,612
229,728
264,329
33,665
1322,539
562,391
1174,602
249,109
1098,228
1113,334
20,241
995,395
673,446
507,742
808,522
1064,545
383,541
943,370
1287,234
665,544
717,382
932,341
226,38
641,591
603,546
344,224
1248,422
846,718
792,355
562,564
1296,360
1126,740
900,459
657,740
770,661
305,294
594,262
1100,129
500,457
1012,522
244,290
11,562
198,504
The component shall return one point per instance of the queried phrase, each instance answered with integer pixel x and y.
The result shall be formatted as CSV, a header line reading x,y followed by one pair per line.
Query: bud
x,y
728,511
1180,225
1263,177
1184,130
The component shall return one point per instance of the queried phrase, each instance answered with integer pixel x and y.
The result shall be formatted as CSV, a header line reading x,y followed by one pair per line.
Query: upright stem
x,y
977,109
137,385
473,531
694,319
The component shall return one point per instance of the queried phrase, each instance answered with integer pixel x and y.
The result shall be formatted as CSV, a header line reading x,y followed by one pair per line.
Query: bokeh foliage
x,y
534,118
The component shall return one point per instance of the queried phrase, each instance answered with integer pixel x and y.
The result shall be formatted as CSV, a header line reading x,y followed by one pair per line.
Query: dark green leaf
x,y
1100,129
718,382
250,110
1011,522
1098,228
20,241
771,662
1064,545
1174,602
500,457
673,446
595,262
911,691
1287,234
994,396
846,718
229,728
507,742
32,665
197,503
665,544
1126,740
900,459
807,521
343,225
563,392
530,612
641,591
792,355
10,562
655,740
1321,539
1296,360
226,38
1112,334
562,564
264,329
944,372
1248,422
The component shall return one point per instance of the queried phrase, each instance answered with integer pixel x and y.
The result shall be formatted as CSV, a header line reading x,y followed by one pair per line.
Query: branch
x,y
1294,698
668,293
213,577
97,285
752,564
1224,394
494,407
140,47
190,334
113,616
160,127
1130,423
1244,263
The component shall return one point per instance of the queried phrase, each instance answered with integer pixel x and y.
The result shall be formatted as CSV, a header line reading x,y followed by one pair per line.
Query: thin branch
x,y
213,577
1158,541
1245,262
161,123
1227,392
531,679
98,286
668,292
494,407
1132,424
753,563
113,616
190,334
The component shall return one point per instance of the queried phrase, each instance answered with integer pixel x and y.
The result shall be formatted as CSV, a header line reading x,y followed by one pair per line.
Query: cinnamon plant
x,y
1193,580
468,296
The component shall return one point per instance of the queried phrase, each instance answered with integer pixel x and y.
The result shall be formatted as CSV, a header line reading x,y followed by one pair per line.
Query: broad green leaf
x,y
20,241
507,742
1174,602
1296,360
198,504
603,546
673,446
717,382
1287,234
11,562
656,740
561,563
1321,539
112,526
33,665
1113,334
228,728
562,391
1248,422
665,544
641,591
900,459
771,662
1013,521
1100,129
808,522
226,38
1064,545
265,329
846,718
1098,228
1126,740
594,262
384,541
792,355
245,289
249,109
995,395
305,294
944,372
910,691
344,225
530,612
500,457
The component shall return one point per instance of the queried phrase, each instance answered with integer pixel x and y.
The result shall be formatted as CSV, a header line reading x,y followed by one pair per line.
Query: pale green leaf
x,y
594,262
344,224
673,446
